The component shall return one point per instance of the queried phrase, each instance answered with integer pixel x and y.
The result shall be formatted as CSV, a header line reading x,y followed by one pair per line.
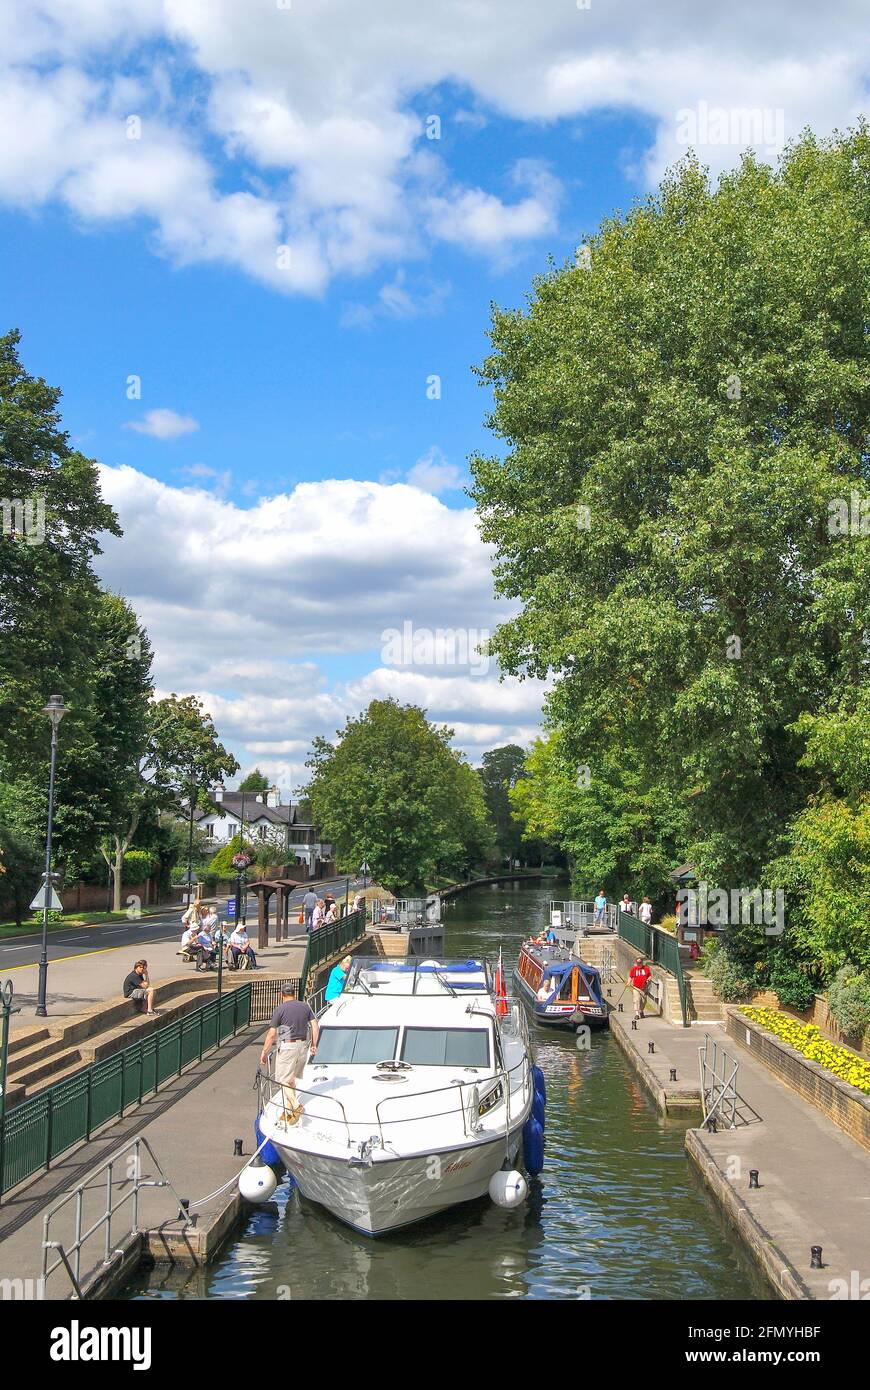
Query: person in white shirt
x,y
188,938
645,911
240,945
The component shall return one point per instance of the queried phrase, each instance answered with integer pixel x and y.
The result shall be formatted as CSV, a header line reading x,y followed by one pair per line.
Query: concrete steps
x,y
42,1056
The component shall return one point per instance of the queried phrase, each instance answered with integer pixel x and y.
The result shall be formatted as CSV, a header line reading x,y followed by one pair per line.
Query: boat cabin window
x,y
359,1045
446,1047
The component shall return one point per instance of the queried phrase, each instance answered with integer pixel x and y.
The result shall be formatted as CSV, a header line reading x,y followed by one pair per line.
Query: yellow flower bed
x,y
808,1040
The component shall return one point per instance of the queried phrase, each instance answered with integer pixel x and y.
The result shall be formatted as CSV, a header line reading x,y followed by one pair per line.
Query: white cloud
x,y
167,424
255,610
432,472
315,108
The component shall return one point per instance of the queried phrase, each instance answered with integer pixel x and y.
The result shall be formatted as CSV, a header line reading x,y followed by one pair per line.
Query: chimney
x,y
273,797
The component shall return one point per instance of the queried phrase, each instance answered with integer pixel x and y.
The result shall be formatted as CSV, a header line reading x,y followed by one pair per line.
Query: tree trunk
x,y
118,871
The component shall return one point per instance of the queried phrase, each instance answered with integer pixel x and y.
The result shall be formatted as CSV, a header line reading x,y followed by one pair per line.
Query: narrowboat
x,y
558,988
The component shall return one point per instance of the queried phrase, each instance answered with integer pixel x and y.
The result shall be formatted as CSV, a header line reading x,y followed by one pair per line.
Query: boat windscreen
x,y
446,1047
358,1046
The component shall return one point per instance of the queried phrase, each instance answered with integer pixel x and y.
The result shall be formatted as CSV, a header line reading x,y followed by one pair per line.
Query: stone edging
x,y
841,1102
780,1272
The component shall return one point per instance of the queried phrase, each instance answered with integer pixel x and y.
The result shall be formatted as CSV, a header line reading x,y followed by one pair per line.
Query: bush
x,y
221,865
668,923
728,976
139,864
849,1001
792,984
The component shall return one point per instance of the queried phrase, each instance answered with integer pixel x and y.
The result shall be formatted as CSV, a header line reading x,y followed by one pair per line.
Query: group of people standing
x,y
643,909
322,912
204,936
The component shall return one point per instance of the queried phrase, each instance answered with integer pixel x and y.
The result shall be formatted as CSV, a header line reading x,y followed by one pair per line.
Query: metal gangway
x,y
721,1102
577,918
405,913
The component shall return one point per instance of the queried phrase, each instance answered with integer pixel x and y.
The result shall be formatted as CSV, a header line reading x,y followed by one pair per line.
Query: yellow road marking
x,y
103,951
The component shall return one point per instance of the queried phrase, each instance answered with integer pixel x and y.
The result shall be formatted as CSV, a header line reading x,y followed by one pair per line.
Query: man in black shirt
x,y
289,1027
138,986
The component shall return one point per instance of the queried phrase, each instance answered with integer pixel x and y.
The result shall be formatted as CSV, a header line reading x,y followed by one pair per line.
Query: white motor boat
x,y
417,1096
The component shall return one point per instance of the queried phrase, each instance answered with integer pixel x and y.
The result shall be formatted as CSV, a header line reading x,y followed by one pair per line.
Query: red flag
x,y
501,1005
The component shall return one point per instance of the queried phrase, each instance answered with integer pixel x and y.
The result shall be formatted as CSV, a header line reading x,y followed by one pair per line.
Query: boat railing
x,y
468,1098
271,1091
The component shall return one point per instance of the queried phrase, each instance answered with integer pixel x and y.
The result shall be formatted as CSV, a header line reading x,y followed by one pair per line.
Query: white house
x,y
264,817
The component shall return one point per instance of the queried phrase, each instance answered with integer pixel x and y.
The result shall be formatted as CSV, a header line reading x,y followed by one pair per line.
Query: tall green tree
x,y
682,418
255,782
392,791
500,769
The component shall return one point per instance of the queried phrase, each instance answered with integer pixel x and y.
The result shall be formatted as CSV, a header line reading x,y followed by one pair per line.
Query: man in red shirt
x,y
639,975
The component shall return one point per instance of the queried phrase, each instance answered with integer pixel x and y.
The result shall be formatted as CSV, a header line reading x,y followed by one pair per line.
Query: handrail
x,y
105,1219
580,914
326,941
661,948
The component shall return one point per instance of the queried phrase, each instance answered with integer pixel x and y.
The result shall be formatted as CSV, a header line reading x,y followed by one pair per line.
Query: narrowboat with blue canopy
x,y
559,988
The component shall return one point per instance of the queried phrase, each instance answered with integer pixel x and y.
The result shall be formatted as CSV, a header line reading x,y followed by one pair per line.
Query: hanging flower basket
x,y
241,861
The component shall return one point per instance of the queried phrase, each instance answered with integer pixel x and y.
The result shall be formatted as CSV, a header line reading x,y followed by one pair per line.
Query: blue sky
x,y
284,259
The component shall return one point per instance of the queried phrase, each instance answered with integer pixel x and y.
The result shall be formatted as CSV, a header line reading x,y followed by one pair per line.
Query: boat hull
x,y
391,1192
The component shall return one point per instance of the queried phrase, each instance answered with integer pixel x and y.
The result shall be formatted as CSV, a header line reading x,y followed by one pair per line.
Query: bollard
x,y
816,1257
185,1204
634,1025
711,1125
619,1007
650,1047
609,993
237,1148
673,1073
753,1178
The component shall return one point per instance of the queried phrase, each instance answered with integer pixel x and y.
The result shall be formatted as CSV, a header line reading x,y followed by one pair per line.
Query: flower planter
x,y
844,1104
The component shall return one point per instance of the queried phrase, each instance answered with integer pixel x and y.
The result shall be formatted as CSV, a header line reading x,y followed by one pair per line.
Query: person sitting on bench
x,y
240,945
205,949
188,942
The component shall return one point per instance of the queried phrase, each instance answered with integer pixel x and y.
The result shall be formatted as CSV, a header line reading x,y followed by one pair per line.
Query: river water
x,y
617,1213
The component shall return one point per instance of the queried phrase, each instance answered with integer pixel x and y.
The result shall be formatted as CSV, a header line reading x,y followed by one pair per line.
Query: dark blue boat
x,y
559,989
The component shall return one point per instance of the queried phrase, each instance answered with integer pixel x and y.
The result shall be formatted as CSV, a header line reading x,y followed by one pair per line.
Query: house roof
x,y
231,804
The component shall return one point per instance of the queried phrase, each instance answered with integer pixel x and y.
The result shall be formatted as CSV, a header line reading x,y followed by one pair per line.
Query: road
x,y
20,951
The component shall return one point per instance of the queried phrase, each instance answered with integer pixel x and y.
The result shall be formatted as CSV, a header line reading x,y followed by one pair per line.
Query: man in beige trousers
x,y
289,1027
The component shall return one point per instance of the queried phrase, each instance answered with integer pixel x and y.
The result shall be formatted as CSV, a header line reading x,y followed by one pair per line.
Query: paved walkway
x,y
213,1101
814,1181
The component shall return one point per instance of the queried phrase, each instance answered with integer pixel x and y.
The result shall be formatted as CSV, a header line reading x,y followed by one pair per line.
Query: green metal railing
x,y
328,941
661,948
42,1128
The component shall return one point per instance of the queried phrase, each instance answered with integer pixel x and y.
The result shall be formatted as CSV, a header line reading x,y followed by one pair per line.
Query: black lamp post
x,y
240,864
190,837
244,902
55,709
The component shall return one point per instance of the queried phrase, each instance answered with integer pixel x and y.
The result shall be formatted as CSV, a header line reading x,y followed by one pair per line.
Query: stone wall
x,y
844,1104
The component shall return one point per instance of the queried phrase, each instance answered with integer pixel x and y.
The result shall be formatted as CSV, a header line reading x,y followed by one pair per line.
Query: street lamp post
x,y
192,799
55,709
6,1010
244,903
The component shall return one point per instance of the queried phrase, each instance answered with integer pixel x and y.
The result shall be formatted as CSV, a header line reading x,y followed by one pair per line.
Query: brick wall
x,y
844,1104
92,897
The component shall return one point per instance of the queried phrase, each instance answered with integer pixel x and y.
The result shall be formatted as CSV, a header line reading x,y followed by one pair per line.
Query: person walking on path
x,y
337,979
644,912
138,986
309,903
639,976
289,1027
600,907
626,904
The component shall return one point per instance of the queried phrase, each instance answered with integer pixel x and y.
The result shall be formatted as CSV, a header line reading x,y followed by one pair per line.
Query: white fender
x,y
508,1189
257,1182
